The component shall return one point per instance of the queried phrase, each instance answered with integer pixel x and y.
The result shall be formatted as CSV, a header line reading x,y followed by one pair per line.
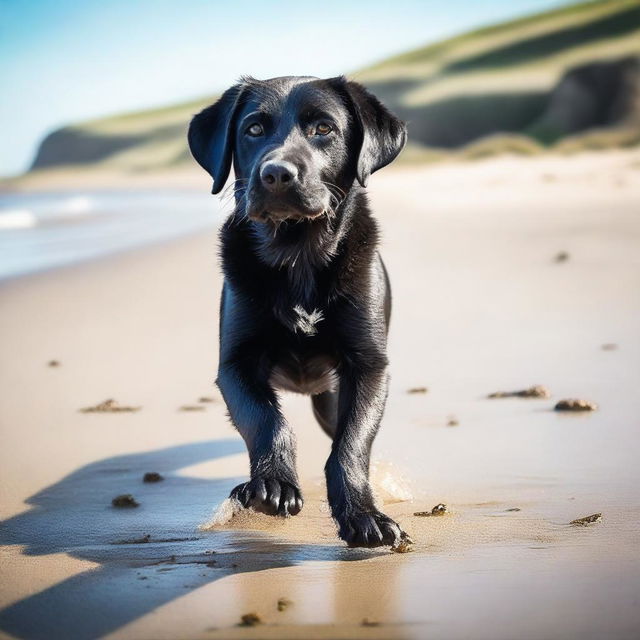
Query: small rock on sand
x,y
592,519
418,390
452,421
191,407
609,346
439,510
152,476
109,406
561,256
367,622
53,363
206,399
537,391
125,500
250,620
284,603
404,546
575,404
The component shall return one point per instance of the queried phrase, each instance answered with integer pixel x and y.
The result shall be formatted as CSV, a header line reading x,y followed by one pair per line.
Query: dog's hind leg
x,y
325,410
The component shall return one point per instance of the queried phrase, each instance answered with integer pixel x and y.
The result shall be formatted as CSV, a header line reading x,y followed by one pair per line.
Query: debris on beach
x,y
53,363
191,407
575,404
206,399
284,603
537,391
250,620
405,545
513,509
109,406
125,500
609,346
439,510
561,256
152,476
452,421
583,522
418,390
367,622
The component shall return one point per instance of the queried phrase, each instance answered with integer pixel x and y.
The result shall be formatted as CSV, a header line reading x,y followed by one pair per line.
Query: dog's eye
x,y
255,130
323,129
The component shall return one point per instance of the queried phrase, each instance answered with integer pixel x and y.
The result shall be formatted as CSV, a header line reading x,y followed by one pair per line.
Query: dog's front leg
x,y
254,409
363,392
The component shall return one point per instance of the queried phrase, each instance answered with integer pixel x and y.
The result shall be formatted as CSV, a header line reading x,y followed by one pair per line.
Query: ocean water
x,y
46,230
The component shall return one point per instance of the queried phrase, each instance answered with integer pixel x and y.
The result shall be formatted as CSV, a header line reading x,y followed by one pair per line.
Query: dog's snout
x,y
278,176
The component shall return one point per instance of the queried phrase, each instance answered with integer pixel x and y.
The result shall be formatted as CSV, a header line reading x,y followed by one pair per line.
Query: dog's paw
x,y
269,495
373,529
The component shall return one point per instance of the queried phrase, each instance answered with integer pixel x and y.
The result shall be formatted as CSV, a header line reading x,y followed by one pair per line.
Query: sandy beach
x,y
506,273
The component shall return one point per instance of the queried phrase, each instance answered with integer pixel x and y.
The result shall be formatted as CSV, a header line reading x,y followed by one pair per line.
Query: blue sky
x,y
64,61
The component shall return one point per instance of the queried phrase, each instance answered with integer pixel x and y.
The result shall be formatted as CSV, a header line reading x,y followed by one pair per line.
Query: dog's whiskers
x,y
232,186
335,186
239,211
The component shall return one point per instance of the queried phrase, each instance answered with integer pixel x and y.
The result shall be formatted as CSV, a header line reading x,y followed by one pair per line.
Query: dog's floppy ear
x,y
211,136
383,136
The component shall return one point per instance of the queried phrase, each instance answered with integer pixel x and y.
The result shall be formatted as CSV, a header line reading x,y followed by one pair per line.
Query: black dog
x,y
306,298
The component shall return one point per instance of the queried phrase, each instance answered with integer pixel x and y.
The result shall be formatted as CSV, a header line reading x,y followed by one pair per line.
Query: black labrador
x,y
306,298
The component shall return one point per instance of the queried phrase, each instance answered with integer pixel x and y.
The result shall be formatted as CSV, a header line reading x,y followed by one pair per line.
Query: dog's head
x,y
297,143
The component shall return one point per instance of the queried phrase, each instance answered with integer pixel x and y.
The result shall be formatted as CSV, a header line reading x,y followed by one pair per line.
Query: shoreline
x,y
42,231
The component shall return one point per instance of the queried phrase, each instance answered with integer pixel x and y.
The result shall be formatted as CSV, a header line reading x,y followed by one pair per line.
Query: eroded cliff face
x,y
84,146
71,146
597,95
594,95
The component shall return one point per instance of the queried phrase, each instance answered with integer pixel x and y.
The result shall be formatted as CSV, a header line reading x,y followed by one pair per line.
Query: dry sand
x,y
480,305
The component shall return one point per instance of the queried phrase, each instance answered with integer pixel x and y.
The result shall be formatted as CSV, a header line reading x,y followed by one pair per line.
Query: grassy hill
x,y
567,78
506,78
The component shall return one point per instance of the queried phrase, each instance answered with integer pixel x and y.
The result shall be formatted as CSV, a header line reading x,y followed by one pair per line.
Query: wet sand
x,y
480,305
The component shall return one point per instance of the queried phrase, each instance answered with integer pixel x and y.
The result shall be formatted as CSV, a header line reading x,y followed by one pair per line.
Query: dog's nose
x,y
278,176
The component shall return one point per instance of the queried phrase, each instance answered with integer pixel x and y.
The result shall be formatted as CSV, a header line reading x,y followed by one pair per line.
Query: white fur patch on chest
x,y
305,321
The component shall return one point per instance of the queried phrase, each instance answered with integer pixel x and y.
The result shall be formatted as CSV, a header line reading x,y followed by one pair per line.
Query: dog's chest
x,y
302,308
304,373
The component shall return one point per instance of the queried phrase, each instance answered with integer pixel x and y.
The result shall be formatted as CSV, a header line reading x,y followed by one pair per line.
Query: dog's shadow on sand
x,y
136,574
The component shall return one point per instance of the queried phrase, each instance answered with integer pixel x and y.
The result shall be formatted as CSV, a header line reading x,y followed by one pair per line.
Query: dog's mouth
x,y
276,216
295,205
276,211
